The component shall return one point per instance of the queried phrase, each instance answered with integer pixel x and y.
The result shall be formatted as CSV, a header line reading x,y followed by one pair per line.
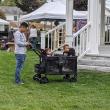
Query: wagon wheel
x,y
66,78
73,79
44,80
36,77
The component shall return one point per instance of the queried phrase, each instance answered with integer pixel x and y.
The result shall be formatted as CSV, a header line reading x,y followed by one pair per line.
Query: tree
x,y
29,5
80,4
7,3
2,15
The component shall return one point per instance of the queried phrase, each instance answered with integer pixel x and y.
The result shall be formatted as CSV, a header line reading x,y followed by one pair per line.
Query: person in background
x,y
74,29
33,37
20,50
11,35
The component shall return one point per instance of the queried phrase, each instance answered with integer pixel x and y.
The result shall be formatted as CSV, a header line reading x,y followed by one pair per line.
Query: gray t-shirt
x,y
20,42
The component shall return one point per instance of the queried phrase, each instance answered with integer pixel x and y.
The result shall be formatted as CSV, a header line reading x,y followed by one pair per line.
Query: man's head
x,y
23,27
66,48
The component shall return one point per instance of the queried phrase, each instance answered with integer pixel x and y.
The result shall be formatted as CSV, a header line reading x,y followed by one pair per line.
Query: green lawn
x,y
91,92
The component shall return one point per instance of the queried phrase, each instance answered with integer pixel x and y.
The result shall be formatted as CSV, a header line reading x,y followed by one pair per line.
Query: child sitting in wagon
x,y
67,51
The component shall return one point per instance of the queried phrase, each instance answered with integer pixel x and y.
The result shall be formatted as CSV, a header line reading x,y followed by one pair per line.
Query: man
x,y
20,50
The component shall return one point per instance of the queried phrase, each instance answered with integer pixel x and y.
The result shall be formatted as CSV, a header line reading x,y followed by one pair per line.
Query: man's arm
x,y
19,42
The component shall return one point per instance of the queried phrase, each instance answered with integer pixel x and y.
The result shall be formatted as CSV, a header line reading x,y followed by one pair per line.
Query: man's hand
x,y
28,44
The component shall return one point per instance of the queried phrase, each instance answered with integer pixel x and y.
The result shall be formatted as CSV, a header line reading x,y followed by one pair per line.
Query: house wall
x,y
2,27
13,17
107,17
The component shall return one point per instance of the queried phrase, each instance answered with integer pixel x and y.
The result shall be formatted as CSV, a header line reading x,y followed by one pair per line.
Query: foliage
x,y
8,3
29,5
80,4
2,15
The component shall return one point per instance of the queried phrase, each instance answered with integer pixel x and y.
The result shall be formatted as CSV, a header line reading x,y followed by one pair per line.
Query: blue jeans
x,y
33,42
20,59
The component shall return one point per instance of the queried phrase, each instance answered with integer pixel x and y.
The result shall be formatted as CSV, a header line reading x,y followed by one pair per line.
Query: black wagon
x,y
55,65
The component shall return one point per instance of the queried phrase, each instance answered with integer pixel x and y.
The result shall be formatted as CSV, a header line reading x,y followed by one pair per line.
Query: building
x,y
107,16
93,51
12,13
91,44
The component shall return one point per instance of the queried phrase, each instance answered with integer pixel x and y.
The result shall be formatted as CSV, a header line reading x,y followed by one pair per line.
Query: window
x,y
15,18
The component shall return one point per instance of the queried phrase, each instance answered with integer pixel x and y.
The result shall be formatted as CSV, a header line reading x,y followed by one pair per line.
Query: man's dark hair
x,y
24,24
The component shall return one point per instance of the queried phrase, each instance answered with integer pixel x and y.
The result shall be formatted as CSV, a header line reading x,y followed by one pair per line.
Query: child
x,y
48,52
68,51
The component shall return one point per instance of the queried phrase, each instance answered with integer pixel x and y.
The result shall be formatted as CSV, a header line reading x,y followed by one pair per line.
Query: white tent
x,y
52,10
107,12
3,22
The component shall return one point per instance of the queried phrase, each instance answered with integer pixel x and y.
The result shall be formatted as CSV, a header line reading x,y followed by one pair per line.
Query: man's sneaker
x,y
20,83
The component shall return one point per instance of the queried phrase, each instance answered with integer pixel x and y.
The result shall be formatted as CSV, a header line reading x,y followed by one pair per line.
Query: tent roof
x,y
4,22
53,10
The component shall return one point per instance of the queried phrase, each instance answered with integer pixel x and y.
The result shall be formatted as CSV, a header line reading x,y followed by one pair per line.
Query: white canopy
x,y
3,22
52,10
107,12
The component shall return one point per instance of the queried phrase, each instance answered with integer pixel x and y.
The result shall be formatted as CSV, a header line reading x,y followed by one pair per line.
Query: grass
x,y
91,92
